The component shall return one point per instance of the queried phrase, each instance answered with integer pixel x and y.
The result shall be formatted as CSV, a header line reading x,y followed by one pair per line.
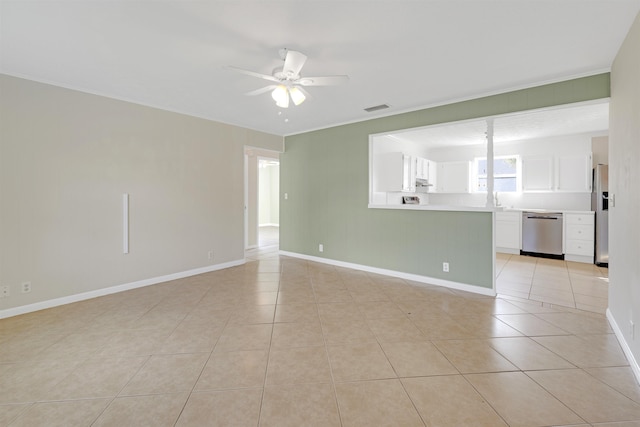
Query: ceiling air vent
x,y
376,108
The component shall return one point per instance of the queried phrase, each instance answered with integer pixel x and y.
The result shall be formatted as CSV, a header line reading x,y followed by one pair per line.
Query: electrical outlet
x,y
210,255
4,291
286,196
445,267
26,287
321,247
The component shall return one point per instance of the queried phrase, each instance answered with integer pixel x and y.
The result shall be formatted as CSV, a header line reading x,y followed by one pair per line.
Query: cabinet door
x,y
574,173
507,235
453,177
422,168
537,174
433,172
508,231
393,172
387,174
408,174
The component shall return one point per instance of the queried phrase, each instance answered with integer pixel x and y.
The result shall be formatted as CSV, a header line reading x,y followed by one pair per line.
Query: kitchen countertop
x,y
546,211
473,209
438,208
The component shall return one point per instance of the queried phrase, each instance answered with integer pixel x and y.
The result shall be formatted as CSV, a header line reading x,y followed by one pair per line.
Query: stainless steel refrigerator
x,y
600,205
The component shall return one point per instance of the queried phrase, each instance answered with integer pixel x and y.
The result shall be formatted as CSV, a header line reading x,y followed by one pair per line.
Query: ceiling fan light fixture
x,y
286,82
281,96
283,103
297,96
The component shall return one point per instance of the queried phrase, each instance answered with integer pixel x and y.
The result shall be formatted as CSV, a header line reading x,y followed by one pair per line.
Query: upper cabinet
x,y
433,175
422,168
562,173
393,172
453,177
426,171
574,173
537,174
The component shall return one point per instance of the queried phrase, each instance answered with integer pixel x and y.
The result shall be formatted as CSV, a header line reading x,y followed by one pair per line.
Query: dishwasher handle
x,y
542,217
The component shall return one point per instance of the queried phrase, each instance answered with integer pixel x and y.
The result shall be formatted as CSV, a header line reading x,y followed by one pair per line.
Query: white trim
x,y
382,114
625,347
508,251
407,276
268,225
15,311
579,258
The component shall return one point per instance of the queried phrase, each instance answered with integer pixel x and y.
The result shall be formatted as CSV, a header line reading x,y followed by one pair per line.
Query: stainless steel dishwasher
x,y
542,233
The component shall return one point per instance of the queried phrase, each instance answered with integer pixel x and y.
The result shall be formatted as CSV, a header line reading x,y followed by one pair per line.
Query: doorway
x,y
268,202
262,198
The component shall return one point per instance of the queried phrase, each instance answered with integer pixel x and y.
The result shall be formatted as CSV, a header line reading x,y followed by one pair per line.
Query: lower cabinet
x,y
508,232
579,237
578,234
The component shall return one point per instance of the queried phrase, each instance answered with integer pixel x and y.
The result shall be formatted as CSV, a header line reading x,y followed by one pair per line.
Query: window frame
x,y
517,175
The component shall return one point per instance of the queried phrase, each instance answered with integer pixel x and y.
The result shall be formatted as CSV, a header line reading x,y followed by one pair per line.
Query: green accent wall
x,y
326,176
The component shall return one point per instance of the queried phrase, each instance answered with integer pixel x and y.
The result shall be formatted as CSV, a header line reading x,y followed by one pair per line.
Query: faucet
x,y
496,202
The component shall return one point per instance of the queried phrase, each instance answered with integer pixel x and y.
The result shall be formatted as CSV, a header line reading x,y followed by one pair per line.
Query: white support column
x,y
490,200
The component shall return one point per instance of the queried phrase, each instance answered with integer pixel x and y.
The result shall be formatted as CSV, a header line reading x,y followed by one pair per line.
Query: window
x,y
506,174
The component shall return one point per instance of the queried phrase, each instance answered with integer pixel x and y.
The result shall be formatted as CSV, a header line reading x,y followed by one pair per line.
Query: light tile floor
x,y
286,342
268,235
565,283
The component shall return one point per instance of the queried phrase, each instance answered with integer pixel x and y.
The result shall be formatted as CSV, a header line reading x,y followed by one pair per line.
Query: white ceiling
x,y
592,117
408,54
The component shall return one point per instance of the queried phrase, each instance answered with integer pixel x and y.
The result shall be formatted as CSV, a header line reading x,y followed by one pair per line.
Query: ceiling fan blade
x,y
293,63
261,90
252,73
304,91
323,81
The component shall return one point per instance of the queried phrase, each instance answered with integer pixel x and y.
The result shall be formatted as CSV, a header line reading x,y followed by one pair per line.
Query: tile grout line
x,y
203,366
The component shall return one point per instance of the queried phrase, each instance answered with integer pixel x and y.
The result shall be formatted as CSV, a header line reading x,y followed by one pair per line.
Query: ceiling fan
x,y
287,80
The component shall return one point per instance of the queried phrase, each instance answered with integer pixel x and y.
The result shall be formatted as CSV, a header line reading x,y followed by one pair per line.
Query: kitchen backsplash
x,y
551,201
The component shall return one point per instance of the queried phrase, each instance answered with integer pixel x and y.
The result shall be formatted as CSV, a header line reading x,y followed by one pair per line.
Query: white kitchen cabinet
x,y
537,174
508,232
574,173
432,177
562,173
426,170
453,177
579,237
393,172
422,168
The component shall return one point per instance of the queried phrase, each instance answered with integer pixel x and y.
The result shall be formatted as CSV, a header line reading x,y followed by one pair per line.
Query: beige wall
x,y
67,157
624,183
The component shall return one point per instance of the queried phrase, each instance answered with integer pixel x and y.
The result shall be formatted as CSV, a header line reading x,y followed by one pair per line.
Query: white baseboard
x,y
399,274
269,225
579,258
29,308
508,251
625,347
